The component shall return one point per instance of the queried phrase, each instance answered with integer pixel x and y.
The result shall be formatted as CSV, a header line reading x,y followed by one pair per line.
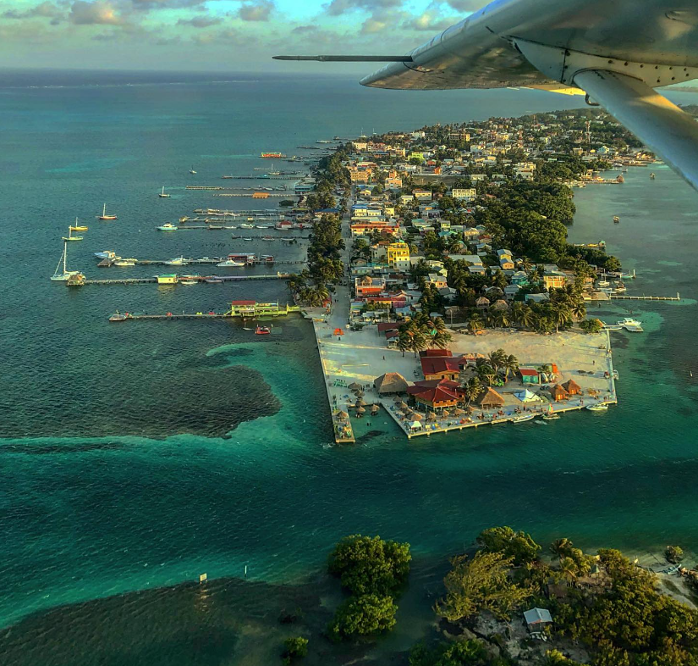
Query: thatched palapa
x,y
490,398
390,382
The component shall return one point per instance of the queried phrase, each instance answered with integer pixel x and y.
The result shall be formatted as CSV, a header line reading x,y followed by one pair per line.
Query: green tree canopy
x,y
369,565
363,615
517,545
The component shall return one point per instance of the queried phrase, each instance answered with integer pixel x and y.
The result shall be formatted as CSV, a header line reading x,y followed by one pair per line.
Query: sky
x,y
222,35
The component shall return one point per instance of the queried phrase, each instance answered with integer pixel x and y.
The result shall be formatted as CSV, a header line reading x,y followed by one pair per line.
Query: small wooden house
x,y
572,387
558,393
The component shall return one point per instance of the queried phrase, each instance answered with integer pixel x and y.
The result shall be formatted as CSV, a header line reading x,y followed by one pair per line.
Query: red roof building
x,y
440,367
436,394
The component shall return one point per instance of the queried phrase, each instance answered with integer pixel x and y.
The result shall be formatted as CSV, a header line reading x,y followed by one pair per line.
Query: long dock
x,y
236,311
621,297
105,263
201,279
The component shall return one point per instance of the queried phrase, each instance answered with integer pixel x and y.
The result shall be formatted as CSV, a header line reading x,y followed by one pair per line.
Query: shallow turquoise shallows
x,y
115,471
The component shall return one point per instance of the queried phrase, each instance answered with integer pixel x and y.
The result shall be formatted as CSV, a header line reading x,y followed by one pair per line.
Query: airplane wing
x,y
618,51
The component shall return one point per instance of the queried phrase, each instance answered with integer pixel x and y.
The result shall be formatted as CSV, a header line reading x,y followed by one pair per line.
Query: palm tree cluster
x,y
422,333
495,368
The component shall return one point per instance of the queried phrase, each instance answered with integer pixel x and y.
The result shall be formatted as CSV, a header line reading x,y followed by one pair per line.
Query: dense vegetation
x,y
374,572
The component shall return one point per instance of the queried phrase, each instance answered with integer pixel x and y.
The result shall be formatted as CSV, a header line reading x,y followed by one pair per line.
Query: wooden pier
x,y
247,311
106,263
201,279
622,297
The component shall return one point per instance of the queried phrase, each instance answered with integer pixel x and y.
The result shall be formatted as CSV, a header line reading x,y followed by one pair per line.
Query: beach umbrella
x,y
374,409
343,415
431,416
360,402
416,416
445,412
360,393
458,411
360,410
354,386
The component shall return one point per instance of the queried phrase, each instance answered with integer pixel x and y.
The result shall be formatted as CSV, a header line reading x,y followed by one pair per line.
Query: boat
x,y
263,226
168,226
192,170
70,236
262,330
77,227
125,262
551,417
117,316
603,283
187,281
106,254
632,325
652,176
247,239
288,240
65,274
162,194
619,288
247,226
179,261
268,238
616,219
104,215
522,418
213,280
271,156
228,263
599,407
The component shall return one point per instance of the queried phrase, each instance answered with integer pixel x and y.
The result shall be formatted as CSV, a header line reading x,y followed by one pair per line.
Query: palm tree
x,y
439,340
404,343
495,358
579,310
527,318
560,547
476,323
561,316
486,373
516,311
501,319
418,342
472,389
509,364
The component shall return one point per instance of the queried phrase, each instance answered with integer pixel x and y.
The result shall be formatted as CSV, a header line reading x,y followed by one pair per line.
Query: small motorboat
x,y
168,226
117,316
125,262
551,416
213,280
106,254
599,407
262,330
192,170
616,219
522,418
187,281
230,263
179,261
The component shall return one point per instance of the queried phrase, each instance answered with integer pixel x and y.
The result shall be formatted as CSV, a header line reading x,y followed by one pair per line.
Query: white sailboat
x,y
192,170
66,274
104,215
162,194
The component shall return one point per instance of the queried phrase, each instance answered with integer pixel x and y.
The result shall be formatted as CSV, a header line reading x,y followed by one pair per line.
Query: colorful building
x,y
398,255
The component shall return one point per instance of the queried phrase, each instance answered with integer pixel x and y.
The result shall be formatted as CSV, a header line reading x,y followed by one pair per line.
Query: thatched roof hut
x,y
445,412
431,416
490,398
572,387
458,411
416,416
558,393
342,415
390,382
374,409
354,386
360,410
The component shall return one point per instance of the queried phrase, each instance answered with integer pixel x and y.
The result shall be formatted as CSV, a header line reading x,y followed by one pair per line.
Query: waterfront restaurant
x,y
437,395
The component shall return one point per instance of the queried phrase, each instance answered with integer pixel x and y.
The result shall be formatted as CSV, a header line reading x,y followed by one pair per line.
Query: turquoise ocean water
x,y
137,456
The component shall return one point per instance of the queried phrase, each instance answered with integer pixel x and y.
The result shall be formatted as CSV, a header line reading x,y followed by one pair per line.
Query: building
x,y
441,367
464,194
529,376
390,382
368,228
368,286
537,619
398,255
436,395
554,280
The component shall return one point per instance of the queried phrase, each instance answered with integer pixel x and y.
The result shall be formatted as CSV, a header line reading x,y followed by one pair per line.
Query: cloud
x,y
372,25
256,11
43,10
337,7
201,21
467,5
428,21
100,12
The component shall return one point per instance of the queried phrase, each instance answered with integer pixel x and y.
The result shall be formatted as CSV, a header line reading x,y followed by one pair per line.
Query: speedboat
x,y
125,262
168,226
106,254
522,418
117,316
192,170
247,226
262,330
230,263
187,281
599,407
551,417
213,280
632,325
179,261
247,239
